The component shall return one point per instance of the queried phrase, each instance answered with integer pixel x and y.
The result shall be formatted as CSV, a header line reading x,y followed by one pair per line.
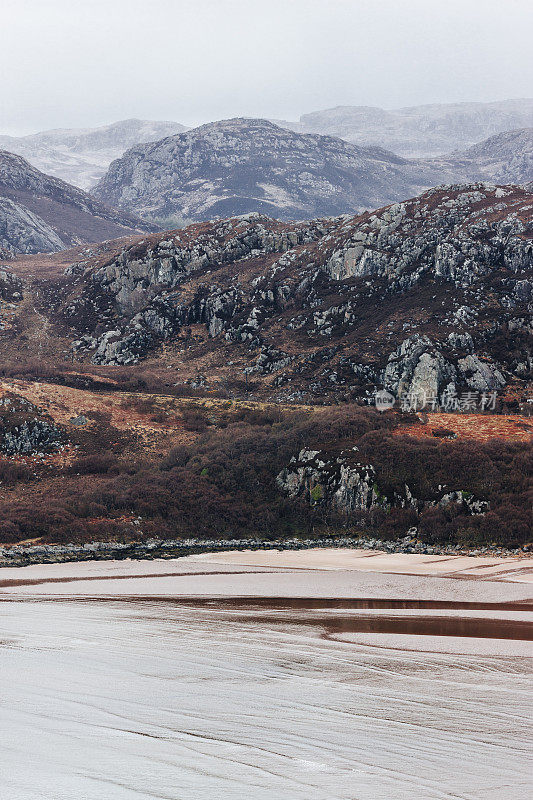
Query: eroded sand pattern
x,y
213,677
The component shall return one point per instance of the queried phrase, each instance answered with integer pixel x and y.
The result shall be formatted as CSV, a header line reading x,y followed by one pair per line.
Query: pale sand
x,y
341,573
138,701
515,569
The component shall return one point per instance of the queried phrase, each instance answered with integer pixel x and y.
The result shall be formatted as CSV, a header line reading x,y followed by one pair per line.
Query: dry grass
x,y
479,427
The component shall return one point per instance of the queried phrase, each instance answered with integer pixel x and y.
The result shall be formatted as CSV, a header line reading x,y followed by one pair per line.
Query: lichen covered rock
x,y
417,368
342,483
26,431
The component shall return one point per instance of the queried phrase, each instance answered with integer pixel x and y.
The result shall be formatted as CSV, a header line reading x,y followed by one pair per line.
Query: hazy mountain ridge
x,y
40,213
243,165
418,131
503,158
81,156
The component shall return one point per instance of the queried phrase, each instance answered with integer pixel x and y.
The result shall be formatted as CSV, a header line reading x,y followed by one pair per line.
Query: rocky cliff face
x,y
420,131
243,165
339,482
427,296
82,156
39,213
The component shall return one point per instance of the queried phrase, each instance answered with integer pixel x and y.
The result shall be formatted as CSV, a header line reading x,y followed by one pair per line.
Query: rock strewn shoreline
x,y
21,556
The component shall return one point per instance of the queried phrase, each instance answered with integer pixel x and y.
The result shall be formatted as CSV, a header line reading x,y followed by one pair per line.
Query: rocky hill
x,y
504,158
39,213
82,156
242,165
432,296
419,131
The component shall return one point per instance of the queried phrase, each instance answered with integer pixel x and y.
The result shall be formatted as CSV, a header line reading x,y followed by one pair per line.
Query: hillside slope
x,y
504,158
430,296
39,213
136,386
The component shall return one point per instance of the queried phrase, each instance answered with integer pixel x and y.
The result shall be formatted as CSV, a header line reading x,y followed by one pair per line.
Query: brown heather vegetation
x,y
155,465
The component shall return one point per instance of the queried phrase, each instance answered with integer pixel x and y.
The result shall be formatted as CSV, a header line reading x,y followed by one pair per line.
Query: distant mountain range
x,y
242,165
419,131
81,156
39,213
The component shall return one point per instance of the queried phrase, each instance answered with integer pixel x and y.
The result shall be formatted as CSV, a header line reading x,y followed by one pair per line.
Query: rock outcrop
x,y
418,369
25,431
30,437
456,233
340,482
10,287
424,372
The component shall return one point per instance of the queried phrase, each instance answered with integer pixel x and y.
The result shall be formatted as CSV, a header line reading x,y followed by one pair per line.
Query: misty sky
x,y
75,63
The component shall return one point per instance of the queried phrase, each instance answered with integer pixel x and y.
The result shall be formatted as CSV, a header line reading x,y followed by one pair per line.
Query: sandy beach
x,y
313,572
336,675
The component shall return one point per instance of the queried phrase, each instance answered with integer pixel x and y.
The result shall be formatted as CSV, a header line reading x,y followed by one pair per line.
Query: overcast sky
x,y
76,63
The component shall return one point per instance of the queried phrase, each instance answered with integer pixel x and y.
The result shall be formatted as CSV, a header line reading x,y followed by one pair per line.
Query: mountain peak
x,y
240,165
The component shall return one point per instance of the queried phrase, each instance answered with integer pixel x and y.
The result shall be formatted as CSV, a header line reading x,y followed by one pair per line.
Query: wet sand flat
x,y
216,676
